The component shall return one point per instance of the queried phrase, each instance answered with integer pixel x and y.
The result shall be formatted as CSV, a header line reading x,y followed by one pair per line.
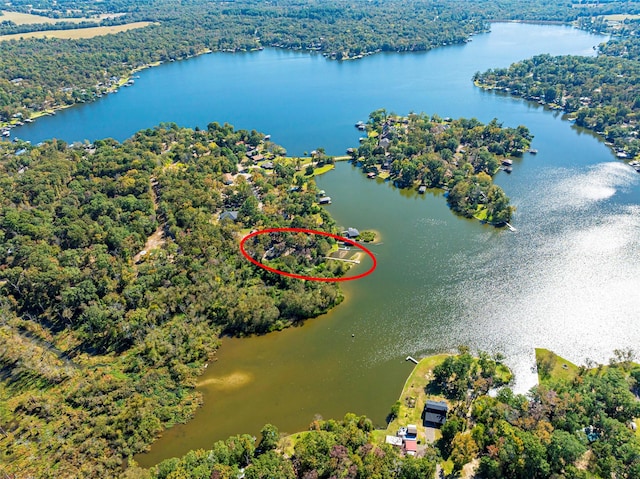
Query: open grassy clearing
x,y
77,33
620,17
28,19
557,367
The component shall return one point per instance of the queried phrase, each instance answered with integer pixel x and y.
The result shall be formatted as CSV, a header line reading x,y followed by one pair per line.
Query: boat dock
x,y
353,261
511,228
412,359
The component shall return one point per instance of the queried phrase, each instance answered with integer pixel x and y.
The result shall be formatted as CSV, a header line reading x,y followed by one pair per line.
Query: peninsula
x,y
460,156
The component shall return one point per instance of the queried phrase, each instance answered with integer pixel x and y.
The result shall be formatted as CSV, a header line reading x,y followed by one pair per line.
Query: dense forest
x,y
458,155
600,93
119,269
42,74
575,424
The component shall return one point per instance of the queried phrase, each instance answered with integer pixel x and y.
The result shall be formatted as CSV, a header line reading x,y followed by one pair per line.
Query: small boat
x,y
533,152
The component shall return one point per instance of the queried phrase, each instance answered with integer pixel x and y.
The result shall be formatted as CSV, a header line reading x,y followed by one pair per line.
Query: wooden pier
x,y
354,261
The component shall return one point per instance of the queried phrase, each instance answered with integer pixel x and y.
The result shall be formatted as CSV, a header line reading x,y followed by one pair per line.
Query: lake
x,y
566,280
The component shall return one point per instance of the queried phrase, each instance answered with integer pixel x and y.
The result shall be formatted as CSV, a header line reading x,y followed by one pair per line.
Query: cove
x,y
567,280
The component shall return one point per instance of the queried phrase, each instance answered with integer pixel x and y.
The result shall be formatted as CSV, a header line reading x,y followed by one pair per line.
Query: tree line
x,y
599,93
54,72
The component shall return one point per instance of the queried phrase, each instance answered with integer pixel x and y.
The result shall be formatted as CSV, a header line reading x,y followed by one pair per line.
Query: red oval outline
x,y
298,276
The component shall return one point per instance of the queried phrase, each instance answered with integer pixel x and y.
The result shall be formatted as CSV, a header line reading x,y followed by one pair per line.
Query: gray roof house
x,y
230,215
435,413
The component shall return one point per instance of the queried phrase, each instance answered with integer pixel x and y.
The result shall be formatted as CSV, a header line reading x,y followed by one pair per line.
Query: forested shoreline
x,y
120,267
37,75
576,423
599,93
103,331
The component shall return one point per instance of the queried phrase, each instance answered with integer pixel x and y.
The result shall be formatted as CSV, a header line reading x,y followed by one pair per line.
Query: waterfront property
x,y
351,233
435,413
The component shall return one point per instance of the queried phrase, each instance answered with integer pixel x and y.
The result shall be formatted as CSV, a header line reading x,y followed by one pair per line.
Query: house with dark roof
x,y
384,143
435,413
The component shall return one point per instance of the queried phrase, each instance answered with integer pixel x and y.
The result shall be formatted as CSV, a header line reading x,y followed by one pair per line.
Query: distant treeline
x,y
57,72
601,93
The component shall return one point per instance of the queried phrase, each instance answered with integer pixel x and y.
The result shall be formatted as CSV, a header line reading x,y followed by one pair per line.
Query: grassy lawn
x,y
413,397
76,33
287,443
560,368
322,170
481,213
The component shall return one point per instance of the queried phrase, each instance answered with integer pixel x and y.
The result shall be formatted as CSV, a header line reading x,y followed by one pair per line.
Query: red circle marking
x,y
315,232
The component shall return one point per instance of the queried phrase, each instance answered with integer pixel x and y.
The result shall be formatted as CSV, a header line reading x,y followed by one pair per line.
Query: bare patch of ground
x,y
76,33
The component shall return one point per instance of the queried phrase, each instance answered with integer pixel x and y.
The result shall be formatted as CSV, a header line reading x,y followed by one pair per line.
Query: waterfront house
x,y
435,413
351,233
